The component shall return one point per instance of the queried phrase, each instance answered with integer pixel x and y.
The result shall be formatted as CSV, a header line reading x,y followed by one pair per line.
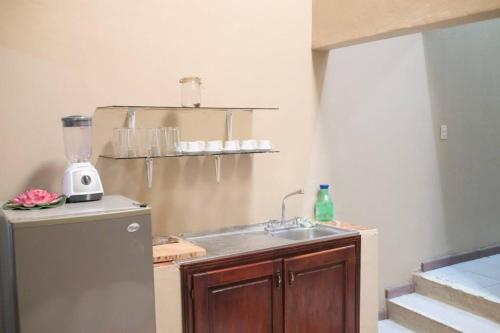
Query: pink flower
x,y
35,197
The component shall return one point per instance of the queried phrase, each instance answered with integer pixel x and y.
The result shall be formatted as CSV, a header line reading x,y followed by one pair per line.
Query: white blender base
x,y
82,183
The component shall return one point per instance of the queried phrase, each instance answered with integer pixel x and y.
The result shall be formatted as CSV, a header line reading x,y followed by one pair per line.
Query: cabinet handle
x,y
278,279
291,277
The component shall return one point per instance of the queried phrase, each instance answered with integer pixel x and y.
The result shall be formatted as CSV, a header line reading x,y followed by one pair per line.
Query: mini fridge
x,y
80,268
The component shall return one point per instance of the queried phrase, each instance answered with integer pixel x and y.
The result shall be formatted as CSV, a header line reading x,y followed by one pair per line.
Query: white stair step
x,y
424,314
388,326
457,294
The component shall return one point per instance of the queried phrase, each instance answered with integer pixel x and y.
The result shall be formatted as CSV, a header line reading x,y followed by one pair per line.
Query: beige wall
x,y
67,57
339,23
168,298
377,141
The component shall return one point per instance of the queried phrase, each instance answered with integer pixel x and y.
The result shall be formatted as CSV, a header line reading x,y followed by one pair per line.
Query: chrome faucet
x,y
301,191
275,225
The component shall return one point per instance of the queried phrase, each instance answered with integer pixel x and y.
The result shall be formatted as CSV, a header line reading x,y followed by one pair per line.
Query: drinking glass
x,y
124,142
149,142
170,141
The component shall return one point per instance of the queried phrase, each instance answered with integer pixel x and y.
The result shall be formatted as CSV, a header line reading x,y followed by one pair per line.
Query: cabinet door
x,y
241,299
320,292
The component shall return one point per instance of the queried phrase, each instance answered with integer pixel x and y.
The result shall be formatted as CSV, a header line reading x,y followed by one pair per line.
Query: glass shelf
x,y
132,109
217,157
179,108
192,155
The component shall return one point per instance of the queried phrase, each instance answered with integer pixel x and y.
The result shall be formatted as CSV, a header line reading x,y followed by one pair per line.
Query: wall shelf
x,y
217,156
191,155
180,108
133,109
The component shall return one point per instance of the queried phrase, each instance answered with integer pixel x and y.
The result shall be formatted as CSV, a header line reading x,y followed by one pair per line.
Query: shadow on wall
x,y
463,70
183,188
319,61
48,176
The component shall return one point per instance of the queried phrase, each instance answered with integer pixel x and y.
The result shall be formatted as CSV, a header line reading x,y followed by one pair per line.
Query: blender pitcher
x,y
81,180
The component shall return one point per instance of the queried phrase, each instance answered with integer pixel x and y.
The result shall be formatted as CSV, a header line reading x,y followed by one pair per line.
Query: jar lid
x,y
76,121
190,79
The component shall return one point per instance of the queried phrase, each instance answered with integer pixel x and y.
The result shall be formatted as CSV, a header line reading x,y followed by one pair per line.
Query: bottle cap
x,y
324,186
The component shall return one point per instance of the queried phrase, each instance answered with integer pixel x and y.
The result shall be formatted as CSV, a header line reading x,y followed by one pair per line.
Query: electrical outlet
x,y
444,132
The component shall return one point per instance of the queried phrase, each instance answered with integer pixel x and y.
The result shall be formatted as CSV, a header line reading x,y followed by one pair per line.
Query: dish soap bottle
x,y
324,204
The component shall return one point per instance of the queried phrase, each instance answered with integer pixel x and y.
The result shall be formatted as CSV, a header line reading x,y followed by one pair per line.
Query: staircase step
x,y
389,326
423,314
456,294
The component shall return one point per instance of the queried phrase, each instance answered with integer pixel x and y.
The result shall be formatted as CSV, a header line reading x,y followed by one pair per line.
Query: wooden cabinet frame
x,y
274,265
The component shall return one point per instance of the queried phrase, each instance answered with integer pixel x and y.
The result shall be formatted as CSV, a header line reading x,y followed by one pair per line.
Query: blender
x,y
81,181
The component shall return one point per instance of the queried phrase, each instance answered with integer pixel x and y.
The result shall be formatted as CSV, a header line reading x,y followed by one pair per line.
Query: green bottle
x,y
324,204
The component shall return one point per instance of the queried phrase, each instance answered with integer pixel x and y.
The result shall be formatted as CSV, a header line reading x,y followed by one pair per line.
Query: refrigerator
x,y
79,268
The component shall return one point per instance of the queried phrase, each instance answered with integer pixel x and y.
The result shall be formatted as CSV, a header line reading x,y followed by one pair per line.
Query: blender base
x,y
84,197
82,183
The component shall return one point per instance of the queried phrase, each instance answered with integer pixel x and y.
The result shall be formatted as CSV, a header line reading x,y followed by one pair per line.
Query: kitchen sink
x,y
305,234
257,237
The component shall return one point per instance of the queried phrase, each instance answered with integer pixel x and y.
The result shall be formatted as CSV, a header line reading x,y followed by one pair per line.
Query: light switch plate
x,y
444,132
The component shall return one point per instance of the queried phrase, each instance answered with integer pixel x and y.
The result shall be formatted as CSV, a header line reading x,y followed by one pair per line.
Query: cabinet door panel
x,y
239,299
320,292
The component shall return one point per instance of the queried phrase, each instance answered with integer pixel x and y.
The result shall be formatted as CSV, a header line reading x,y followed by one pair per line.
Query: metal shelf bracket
x,y
149,167
131,117
229,124
218,159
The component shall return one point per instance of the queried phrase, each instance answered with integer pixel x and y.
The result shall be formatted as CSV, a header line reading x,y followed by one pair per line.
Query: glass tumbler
x,y
124,142
149,142
170,137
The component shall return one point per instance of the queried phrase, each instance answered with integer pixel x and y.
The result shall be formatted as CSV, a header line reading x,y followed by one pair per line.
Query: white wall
x,y
377,142
463,66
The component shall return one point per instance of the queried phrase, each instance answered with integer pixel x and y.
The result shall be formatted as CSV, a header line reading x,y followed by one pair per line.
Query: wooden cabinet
x,y
313,289
320,291
243,299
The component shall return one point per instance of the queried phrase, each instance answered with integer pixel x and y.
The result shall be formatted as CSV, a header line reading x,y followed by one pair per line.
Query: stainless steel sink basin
x,y
253,238
305,234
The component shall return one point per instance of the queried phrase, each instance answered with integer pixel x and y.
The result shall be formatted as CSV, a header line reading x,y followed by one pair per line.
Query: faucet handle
x,y
272,225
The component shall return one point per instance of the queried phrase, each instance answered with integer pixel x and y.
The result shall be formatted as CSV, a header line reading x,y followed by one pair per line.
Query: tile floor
x,y
480,276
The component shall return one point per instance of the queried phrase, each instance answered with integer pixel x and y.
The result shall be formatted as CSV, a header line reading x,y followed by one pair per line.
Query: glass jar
x,y
191,91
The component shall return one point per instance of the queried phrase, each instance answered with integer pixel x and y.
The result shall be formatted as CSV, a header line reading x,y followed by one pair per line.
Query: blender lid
x,y
77,121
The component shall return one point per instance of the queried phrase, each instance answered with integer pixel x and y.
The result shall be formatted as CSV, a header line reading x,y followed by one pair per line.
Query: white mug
x,y
183,145
265,145
232,145
193,147
248,144
214,146
201,145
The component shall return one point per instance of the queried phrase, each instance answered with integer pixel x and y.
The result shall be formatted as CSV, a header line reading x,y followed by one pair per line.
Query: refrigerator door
x,y
92,276
8,305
